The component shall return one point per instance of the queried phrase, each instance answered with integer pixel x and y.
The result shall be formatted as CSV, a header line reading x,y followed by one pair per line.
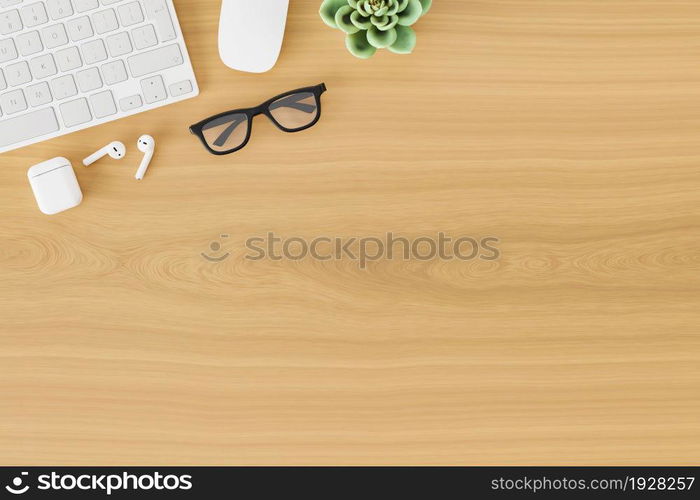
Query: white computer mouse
x,y
251,33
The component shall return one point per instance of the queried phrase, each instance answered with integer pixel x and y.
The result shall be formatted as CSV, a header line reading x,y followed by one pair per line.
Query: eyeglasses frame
x,y
263,109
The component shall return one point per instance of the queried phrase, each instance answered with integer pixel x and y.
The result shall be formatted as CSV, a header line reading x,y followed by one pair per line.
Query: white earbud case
x,y
55,186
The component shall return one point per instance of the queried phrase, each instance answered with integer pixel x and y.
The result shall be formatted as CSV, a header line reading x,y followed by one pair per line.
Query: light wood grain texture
x,y
568,129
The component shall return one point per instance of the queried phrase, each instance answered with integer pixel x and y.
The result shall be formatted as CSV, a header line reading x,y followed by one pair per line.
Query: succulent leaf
x,y
328,10
411,13
342,19
381,39
426,5
405,40
360,21
380,21
358,45
393,21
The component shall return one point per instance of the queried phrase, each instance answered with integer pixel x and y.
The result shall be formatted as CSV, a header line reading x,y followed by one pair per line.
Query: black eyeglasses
x,y
292,111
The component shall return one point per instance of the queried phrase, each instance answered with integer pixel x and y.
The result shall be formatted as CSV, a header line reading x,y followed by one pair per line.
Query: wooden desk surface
x,y
569,130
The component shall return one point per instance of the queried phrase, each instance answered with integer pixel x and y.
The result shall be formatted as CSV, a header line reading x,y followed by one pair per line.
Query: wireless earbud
x,y
146,145
115,150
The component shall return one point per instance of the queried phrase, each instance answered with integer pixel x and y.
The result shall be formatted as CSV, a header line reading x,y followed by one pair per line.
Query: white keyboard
x,y
67,65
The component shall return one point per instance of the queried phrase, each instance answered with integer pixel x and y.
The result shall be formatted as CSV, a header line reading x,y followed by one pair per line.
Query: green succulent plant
x,y
375,24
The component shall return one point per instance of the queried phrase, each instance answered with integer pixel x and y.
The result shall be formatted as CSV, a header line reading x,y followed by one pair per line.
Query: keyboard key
x,y
9,3
89,80
8,51
63,87
68,59
105,21
144,37
10,22
18,74
130,14
119,44
80,28
29,43
94,52
54,36
157,12
103,104
58,9
129,103
28,126
13,102
3,83
114,72
155,60
43,66
85,5
180,88
38,94
153,89
75,112
34,15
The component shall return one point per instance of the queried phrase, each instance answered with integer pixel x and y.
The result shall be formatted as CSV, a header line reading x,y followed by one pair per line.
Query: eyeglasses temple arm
x,y
223,137
292,101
